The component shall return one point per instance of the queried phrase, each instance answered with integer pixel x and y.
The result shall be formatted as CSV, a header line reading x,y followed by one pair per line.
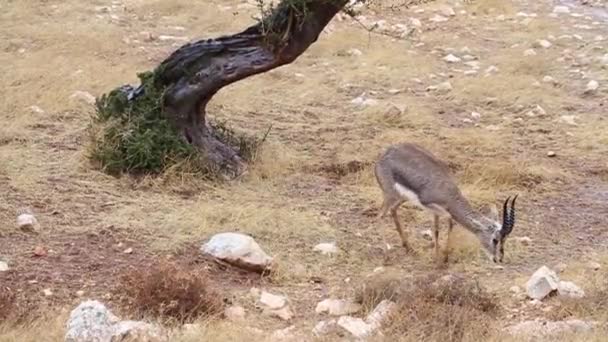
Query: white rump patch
x,y
413,198
408,194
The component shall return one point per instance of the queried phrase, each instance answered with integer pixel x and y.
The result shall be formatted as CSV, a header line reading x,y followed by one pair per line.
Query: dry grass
x,y
169,293
434,308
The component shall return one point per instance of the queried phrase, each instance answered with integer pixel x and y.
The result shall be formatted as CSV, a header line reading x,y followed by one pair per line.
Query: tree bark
x,y
196,71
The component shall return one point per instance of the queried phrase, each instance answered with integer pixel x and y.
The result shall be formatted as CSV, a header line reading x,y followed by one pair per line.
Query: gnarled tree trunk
x,y
196,71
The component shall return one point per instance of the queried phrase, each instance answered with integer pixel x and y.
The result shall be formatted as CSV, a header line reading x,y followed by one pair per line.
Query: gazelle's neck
x,y
463,213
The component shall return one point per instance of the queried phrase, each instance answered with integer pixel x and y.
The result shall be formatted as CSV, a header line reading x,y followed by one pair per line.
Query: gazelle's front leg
x,y
436,235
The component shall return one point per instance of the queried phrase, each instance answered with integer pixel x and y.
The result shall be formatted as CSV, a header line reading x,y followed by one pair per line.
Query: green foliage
x,y
135,137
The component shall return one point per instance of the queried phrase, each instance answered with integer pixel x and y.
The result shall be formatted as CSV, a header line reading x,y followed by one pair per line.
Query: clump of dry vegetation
x,y
169,292
432,307
7,301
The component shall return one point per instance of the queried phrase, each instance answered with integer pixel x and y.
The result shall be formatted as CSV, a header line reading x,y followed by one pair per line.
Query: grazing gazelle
x,y
409,172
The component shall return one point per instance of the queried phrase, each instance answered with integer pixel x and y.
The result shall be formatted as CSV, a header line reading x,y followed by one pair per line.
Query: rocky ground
x,y
510,93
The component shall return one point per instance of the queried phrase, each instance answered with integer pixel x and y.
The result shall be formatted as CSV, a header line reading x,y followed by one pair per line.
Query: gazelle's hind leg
x,y
448,244
402,234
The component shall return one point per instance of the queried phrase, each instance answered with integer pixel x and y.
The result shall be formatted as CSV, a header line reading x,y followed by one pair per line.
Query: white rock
x,y
570,289
354,52
3,266
515,289
594,265
326,248
568,119
493,128
84,97
27,222
447,11
452,59
285,313
47,292
272,301
561,9
337,307
549,79
443,86
90,321
438,18
472,64
355,326
381,313
363,101
491,70
544,43
324,327
427,234
592,87
542,283
286,334
415,22
550,328
524,240
475,115
536,111
234,313
173,38
530,52
36,110
239,250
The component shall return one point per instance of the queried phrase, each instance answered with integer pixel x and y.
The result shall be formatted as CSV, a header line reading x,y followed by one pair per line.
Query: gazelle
x,y
409,172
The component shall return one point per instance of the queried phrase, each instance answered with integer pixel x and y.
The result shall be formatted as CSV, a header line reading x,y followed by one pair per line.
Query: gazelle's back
x,y
411,172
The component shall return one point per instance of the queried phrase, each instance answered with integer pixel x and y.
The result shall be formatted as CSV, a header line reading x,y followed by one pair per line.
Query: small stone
x,y
530,52
447,11
515,289
491,70
3,266
283,313
475,115
327,248
569,119
415,22
452,59
84,97
272,301
234,313
27,223
592,87
381,313
128,251
570,289
363,101
337,307
444,86
36,110
545,44
594,265
551,154
47,292
524,240
542,283
324,327
80,293
40,251
172,38
427,234
549,79
493,128
355,326
561,9
354,52
438,19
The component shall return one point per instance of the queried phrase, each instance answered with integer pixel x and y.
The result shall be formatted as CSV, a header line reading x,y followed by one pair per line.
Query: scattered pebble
x,y
326,248
452,59
561,9
3,266
592,87
551,154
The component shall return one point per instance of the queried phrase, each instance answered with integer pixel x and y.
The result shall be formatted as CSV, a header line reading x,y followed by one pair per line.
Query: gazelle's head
x,y
495,235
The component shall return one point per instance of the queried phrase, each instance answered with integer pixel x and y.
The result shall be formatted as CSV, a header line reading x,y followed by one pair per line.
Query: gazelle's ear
x,y
494,211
